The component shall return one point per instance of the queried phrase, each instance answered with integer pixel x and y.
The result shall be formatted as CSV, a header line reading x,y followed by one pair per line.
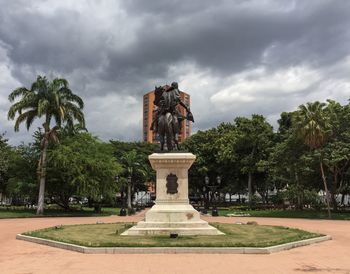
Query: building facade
x,y
149,111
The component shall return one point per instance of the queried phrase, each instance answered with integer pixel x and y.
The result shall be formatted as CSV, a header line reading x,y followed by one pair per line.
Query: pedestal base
x,y
172,212
167,219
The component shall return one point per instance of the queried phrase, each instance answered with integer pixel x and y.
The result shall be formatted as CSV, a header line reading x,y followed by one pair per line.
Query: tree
x,y
81,165
232,151
5,156
22,182
50,100
132,163
291,165
252,146
17,177
336,151
313,127
145,174
203,145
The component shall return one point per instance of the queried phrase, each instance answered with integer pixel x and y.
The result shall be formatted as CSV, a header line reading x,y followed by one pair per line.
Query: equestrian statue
x,y
167,120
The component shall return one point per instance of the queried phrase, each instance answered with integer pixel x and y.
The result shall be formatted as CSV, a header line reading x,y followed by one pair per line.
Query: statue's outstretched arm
x,y
189,114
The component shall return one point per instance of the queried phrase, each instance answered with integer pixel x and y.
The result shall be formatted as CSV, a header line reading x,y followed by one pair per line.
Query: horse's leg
x,y
169,131
161,131
161,142
169,140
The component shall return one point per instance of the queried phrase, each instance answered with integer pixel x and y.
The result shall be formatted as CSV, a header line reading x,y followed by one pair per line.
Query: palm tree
x,y
133,164
312,125
51,100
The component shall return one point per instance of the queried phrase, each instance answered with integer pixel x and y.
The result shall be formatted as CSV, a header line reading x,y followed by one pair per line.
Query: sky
x,y
235,58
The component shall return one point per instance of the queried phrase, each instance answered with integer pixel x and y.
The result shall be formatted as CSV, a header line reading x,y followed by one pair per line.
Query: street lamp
x,y
205,200
213,189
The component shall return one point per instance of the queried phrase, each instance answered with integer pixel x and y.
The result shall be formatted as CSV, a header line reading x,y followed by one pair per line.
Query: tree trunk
x,y
122,198
250,194
129,196
334,191
299,198
326,189
42,179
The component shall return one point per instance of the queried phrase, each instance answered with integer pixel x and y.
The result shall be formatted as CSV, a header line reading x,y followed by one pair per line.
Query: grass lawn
x,y
108,235
22,212
307,214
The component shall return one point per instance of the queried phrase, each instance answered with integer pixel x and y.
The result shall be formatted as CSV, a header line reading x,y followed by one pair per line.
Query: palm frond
x,y
43,106
22,91
49,99
32,114
23,117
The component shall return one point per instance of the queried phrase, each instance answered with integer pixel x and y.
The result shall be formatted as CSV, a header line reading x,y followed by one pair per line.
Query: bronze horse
x,y
167,123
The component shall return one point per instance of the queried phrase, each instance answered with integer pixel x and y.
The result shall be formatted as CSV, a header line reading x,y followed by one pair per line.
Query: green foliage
x,y
133,156
312,125
23,183
17,172
52,100
233,151
48,99
5,158
325,127
204,145
25,212
82,165
278,199
309,152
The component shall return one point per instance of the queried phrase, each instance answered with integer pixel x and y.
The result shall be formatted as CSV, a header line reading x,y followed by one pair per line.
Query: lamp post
x,y
213,187
197,197
205,200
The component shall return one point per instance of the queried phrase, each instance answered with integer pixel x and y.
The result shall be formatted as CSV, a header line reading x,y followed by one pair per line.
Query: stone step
x,y
209,230
197,224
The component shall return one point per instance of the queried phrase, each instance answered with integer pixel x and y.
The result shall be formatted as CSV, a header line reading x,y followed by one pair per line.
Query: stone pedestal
x,y
172,212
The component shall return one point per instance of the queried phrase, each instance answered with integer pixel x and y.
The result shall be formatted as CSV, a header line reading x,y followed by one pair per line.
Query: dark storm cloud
x,y
229,37
58,42
116,49
220,35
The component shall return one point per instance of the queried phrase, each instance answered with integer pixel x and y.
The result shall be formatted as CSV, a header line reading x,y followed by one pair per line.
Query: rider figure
x,y
170,99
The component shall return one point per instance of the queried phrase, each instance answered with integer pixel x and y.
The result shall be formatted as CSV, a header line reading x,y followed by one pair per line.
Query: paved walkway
x,y
25,257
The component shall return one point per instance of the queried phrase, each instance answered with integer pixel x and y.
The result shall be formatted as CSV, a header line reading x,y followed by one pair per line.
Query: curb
x,y
173,250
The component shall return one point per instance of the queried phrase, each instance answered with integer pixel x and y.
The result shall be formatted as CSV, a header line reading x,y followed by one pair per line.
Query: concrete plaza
x,y
22,257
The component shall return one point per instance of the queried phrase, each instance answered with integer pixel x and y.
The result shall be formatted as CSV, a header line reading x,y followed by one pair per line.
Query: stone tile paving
x,y
25,257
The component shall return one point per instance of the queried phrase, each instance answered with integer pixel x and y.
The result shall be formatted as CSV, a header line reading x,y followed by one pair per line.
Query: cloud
x,y
232,57
250,85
